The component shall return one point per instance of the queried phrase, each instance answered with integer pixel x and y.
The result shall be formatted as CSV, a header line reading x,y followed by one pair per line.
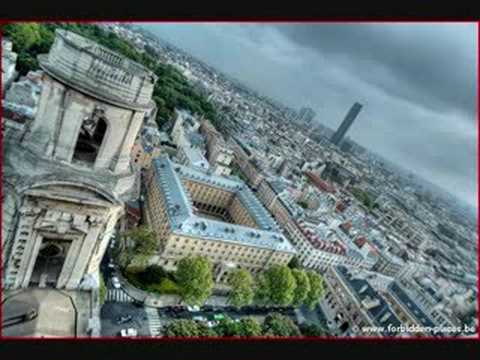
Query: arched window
x,y
90,138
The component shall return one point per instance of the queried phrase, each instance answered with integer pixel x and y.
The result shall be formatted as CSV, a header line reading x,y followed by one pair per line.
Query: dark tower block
x,y
346,123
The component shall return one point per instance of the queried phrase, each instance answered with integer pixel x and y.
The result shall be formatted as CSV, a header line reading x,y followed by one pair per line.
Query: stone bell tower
x,y
67,176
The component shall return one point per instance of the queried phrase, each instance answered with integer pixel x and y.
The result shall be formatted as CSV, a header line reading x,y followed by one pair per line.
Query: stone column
x,y
103,241
27,219
28,262
70,124
124,155
41,137
83,256
68,266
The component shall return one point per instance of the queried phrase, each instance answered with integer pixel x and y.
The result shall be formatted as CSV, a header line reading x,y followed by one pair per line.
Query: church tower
x,y
66,180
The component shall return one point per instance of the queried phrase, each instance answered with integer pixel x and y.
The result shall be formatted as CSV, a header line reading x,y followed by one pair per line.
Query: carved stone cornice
x,y
63,222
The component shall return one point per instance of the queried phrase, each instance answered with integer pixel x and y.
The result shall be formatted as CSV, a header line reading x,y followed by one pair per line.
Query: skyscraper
x,y
346,123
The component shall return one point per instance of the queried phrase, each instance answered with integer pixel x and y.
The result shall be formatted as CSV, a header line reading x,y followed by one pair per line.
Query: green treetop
x,y
194,278
303,286
276,286
316,289
241,283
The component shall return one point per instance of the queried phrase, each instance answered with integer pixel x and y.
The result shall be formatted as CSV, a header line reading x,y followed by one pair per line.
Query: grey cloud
x,y
417,82
431,64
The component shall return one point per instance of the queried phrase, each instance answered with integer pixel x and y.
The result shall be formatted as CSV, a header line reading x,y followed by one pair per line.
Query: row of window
x,y
211,194
222,249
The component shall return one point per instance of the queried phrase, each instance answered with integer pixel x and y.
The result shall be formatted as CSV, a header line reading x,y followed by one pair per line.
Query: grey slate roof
x,y
184,222
401,295
362,289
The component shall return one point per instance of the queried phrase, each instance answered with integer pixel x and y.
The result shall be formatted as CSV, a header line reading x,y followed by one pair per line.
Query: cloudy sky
x,y
417,83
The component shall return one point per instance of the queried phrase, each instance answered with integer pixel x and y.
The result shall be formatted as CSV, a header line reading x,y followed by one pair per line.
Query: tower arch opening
x,y
90,138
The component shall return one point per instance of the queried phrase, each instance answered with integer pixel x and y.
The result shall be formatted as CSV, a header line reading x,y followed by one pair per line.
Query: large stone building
x,y
67,177
314,252
246,163
389,264
196,213
410,311
352,305
219,154
189,142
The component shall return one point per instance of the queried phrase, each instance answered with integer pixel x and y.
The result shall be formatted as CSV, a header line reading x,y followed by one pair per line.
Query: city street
x,y
112,311
149,321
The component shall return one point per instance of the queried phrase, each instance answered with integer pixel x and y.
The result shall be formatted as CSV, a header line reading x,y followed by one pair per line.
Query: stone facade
x,y
83,222
142,154
61,113
67,174
9,60
247,166
351,303
194,213
21,100
314,253
219,154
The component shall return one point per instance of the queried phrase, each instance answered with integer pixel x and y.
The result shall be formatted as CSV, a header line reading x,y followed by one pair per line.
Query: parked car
x,y
130,332
31,314
211,324
218,317
199,318
116,283
111,265
194,308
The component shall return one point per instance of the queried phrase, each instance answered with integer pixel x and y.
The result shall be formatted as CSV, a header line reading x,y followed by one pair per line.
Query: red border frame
x,y
253,20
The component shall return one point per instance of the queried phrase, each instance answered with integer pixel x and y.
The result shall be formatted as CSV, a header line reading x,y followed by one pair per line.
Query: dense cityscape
x,y
147,194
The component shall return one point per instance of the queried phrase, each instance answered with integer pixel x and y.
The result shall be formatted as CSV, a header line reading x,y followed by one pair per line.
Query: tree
x,y
182,328
145,245
295,263
303,286
194,277
205,331
227,327
102,291
276,286
44,42
279,325
249,327
146,242
241,283
312,330
316,289
153,274
25,63
23,35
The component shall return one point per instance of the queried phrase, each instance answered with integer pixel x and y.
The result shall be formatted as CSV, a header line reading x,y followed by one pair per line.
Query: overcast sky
x,y
417,83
